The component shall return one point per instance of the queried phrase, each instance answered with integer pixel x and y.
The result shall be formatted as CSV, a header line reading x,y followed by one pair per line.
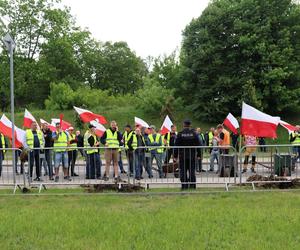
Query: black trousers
x,y
169,153
93,166
187,172
129,155
34,159
72,156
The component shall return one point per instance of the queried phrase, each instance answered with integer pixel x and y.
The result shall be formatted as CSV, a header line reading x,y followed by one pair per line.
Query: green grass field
x,y
260,220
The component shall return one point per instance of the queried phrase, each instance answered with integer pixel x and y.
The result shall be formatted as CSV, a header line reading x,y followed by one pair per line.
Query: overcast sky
x,y
150,27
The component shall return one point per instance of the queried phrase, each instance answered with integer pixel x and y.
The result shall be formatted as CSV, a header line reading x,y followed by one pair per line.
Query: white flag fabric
x,y
257,123
140,122
166,126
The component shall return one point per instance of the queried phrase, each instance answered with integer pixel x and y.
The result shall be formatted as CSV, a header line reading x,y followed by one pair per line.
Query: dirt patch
x,y
274,182
124,188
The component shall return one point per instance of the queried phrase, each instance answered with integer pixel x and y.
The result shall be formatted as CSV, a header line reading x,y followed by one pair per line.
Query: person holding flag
x,y
250,142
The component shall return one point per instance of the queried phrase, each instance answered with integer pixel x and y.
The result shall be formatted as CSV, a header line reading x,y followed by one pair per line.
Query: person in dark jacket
x,y
48,152
80,143
187,138
169,141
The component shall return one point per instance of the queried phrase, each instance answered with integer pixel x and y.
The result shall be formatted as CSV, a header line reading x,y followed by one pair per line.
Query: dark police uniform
x,y
187,156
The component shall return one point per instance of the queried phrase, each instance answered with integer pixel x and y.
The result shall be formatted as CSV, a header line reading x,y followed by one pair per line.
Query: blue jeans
x,y
61,157
120,162
214,155
158,157
93,166
139,158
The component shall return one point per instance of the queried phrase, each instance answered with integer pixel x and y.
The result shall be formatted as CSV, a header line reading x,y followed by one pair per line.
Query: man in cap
x,y
93,162
188,155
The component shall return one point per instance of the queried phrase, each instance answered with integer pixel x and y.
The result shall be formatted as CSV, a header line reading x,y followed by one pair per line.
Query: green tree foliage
x,y
154,98
52,48
242,50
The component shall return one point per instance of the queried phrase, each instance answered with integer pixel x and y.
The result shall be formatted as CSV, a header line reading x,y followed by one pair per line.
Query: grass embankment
x,y
207,221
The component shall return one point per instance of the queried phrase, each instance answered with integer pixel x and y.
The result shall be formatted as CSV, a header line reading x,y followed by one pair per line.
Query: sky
x,y
150,27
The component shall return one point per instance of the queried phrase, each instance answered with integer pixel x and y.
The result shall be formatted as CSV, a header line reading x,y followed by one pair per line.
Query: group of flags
x,y
256,123
253,122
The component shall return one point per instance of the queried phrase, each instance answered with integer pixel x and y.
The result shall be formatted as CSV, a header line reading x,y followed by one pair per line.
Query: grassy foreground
x,y
265,220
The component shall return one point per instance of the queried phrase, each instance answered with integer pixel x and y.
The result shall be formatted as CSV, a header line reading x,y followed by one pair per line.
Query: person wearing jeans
x,y
48,152
61,142
215,152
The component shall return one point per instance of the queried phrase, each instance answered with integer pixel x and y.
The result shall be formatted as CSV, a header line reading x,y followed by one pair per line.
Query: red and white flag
x,y
87,116
28,119
166,127
51,127
100,129
6,130
140,122
290,128
257,123
232,123
64,125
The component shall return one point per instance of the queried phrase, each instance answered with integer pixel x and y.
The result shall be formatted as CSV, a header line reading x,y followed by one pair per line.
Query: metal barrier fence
x,y
150,166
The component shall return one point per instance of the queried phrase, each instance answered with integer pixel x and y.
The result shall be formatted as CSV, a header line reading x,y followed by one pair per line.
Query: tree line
x,y
236,50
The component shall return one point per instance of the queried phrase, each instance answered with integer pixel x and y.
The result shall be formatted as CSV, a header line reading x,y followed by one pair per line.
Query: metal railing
x,y
150,166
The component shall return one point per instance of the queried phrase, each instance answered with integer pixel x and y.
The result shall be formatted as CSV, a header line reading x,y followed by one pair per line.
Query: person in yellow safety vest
x,y
3,145
224,136
35,142
210,136
155,140
72,152
112,139
128,150
169,140
93,162
295,140
61,142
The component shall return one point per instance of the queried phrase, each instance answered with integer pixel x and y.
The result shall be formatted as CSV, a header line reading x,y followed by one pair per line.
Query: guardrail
x,y
150,166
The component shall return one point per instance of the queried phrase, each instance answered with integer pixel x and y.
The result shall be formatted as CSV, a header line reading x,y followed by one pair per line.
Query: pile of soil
x,y
294,183
124,188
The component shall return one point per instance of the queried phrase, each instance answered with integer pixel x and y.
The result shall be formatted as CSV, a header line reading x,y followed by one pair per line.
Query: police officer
x,y
187,156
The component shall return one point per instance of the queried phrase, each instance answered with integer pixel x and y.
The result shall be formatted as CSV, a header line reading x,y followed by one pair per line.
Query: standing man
x,y
48,152
155,139
61,142
224,139
72,152
112,139
3,145
295,140
80,143
34,141
187,156
202,143
93,162
169,140
129,150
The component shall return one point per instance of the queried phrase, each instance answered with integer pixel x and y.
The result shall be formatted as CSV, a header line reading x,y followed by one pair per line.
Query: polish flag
x,y
166,127
257,123
290,128
232,123
140,122
6,130
64,125
28,119
51,127
100,129
87,116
